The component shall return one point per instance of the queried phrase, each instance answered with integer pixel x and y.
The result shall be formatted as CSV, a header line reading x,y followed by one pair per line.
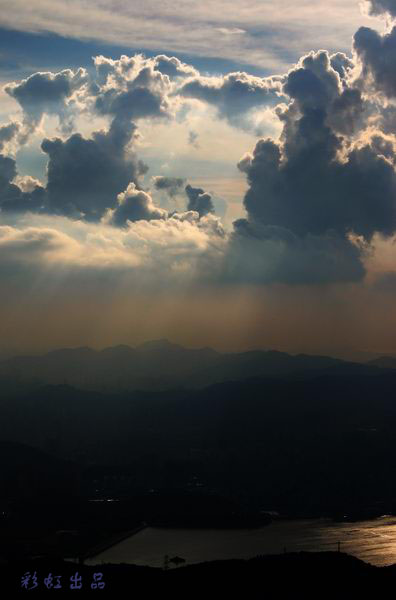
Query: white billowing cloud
x,y
145,252
235,95
26,183
131,88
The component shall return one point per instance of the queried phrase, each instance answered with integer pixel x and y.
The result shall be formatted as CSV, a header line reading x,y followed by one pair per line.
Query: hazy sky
x,y
217,173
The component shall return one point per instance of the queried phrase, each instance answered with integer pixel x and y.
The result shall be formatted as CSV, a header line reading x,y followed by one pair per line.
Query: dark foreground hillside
x,y
78,468
303,575
315,446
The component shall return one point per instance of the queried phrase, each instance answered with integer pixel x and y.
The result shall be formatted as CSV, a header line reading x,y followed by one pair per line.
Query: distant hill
x,y
30,474
156,365
384,362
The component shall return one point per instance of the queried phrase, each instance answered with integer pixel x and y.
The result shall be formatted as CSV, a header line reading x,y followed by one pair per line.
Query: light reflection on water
x,y
372,541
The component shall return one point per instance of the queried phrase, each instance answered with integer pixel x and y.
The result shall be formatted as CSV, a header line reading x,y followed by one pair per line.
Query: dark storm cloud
x,y
264,254
235,94
303,200
20,202
12,198
85,175
171,185
134,205
7,170
386,120
347,114
8,133
383,146
199,201
312,192
380,7
377,55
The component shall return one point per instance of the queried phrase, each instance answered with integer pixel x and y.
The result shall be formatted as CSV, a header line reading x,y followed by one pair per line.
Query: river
x,y
373,541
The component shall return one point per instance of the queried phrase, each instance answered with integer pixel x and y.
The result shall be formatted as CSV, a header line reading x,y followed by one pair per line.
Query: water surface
x,y
373,541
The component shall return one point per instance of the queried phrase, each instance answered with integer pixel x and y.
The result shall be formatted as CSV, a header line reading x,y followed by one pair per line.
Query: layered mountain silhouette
x,y
160,365
308,435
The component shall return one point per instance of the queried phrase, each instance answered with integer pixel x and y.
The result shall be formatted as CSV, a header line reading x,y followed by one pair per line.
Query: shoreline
x,y
113,541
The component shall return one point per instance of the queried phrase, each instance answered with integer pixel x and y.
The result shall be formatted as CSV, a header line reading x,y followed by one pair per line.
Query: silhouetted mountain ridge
x,y
156,365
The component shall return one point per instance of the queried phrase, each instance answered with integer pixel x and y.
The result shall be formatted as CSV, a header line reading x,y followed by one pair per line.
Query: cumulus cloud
x,y
377,56
199,201
173,67
7,170
132,87
313,83
126,89
30,245
27,183
179,249
8,134
234,95
15,198
342,64
171,185
51,93
85,175
310,190
380,7
133,205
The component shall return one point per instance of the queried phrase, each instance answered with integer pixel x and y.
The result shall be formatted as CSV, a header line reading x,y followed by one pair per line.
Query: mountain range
x,y
161,365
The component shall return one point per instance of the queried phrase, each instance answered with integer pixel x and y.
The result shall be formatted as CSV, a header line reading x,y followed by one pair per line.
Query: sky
x,y
221,174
